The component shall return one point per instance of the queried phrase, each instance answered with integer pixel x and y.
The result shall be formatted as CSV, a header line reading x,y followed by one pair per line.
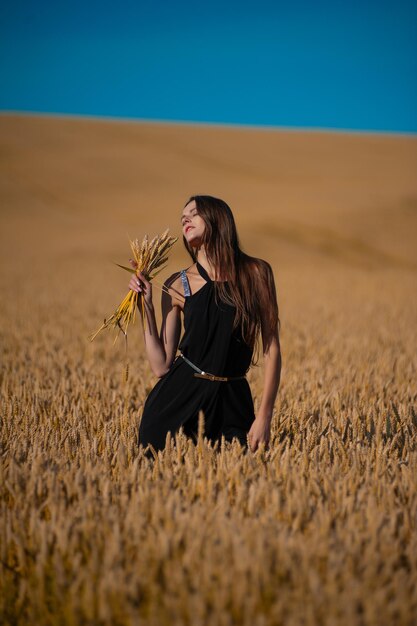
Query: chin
x,y
194,242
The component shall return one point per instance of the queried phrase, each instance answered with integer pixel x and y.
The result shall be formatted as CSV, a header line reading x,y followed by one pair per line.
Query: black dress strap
x,y
203,272
205,275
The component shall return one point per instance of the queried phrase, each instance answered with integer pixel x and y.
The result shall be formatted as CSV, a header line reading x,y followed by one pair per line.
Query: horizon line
x,y
231,125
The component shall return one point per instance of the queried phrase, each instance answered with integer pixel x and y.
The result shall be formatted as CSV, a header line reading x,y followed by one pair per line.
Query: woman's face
x,y
193,225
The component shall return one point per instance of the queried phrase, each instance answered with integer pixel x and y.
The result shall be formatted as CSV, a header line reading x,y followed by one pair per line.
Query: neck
x,y
202,259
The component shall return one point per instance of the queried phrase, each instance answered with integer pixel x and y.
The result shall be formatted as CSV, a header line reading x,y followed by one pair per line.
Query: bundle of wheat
x,y
150,257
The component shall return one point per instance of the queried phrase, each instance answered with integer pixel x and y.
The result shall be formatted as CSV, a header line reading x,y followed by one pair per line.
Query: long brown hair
x,y
250,283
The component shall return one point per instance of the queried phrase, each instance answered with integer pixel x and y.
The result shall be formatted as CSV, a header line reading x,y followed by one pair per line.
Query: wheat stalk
x,y
151,257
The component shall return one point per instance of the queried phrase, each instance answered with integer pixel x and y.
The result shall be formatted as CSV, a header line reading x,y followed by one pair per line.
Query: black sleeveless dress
x,y
211,344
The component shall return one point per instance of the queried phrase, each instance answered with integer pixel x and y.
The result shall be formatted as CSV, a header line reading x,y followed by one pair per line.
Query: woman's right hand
x,y
139,284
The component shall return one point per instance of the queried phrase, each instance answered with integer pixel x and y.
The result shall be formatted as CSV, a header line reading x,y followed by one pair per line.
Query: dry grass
x,y
320,529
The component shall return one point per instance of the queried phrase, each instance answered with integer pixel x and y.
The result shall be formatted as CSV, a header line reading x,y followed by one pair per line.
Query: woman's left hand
x,y
260,432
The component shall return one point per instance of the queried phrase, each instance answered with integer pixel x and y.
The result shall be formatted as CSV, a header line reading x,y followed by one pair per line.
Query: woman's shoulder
x,y
261,276
174,281
175,285
258,267
176,278
264,289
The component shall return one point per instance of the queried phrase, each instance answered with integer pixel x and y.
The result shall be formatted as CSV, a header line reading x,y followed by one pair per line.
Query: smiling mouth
x,y
188,228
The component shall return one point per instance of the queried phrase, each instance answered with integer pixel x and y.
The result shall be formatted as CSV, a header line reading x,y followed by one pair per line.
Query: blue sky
x,y
320,64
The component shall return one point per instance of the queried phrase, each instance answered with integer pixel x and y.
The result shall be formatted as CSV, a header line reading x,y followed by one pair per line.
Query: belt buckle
x,y
205,376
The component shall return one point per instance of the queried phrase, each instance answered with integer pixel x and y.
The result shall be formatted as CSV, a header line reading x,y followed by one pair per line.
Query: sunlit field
x,y
319,529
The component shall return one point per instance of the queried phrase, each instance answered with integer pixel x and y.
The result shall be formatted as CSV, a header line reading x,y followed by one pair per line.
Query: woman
x,y
227,299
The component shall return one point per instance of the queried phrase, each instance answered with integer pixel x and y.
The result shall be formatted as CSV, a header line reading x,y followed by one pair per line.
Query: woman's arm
x,y
260,431
272,376
261,427
160,349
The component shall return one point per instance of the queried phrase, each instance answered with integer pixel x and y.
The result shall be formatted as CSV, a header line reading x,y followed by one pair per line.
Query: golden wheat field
x,y
321,528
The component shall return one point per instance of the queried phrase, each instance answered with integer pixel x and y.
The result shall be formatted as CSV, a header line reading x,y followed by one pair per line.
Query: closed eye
x,y
190,215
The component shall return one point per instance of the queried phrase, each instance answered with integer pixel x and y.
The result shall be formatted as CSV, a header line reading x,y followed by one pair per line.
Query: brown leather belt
x,y
206,375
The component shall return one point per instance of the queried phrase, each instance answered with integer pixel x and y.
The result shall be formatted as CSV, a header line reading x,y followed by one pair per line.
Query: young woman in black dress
x,y
228,301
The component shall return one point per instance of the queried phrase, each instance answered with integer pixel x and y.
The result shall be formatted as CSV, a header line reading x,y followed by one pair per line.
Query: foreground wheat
x,y
150,257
